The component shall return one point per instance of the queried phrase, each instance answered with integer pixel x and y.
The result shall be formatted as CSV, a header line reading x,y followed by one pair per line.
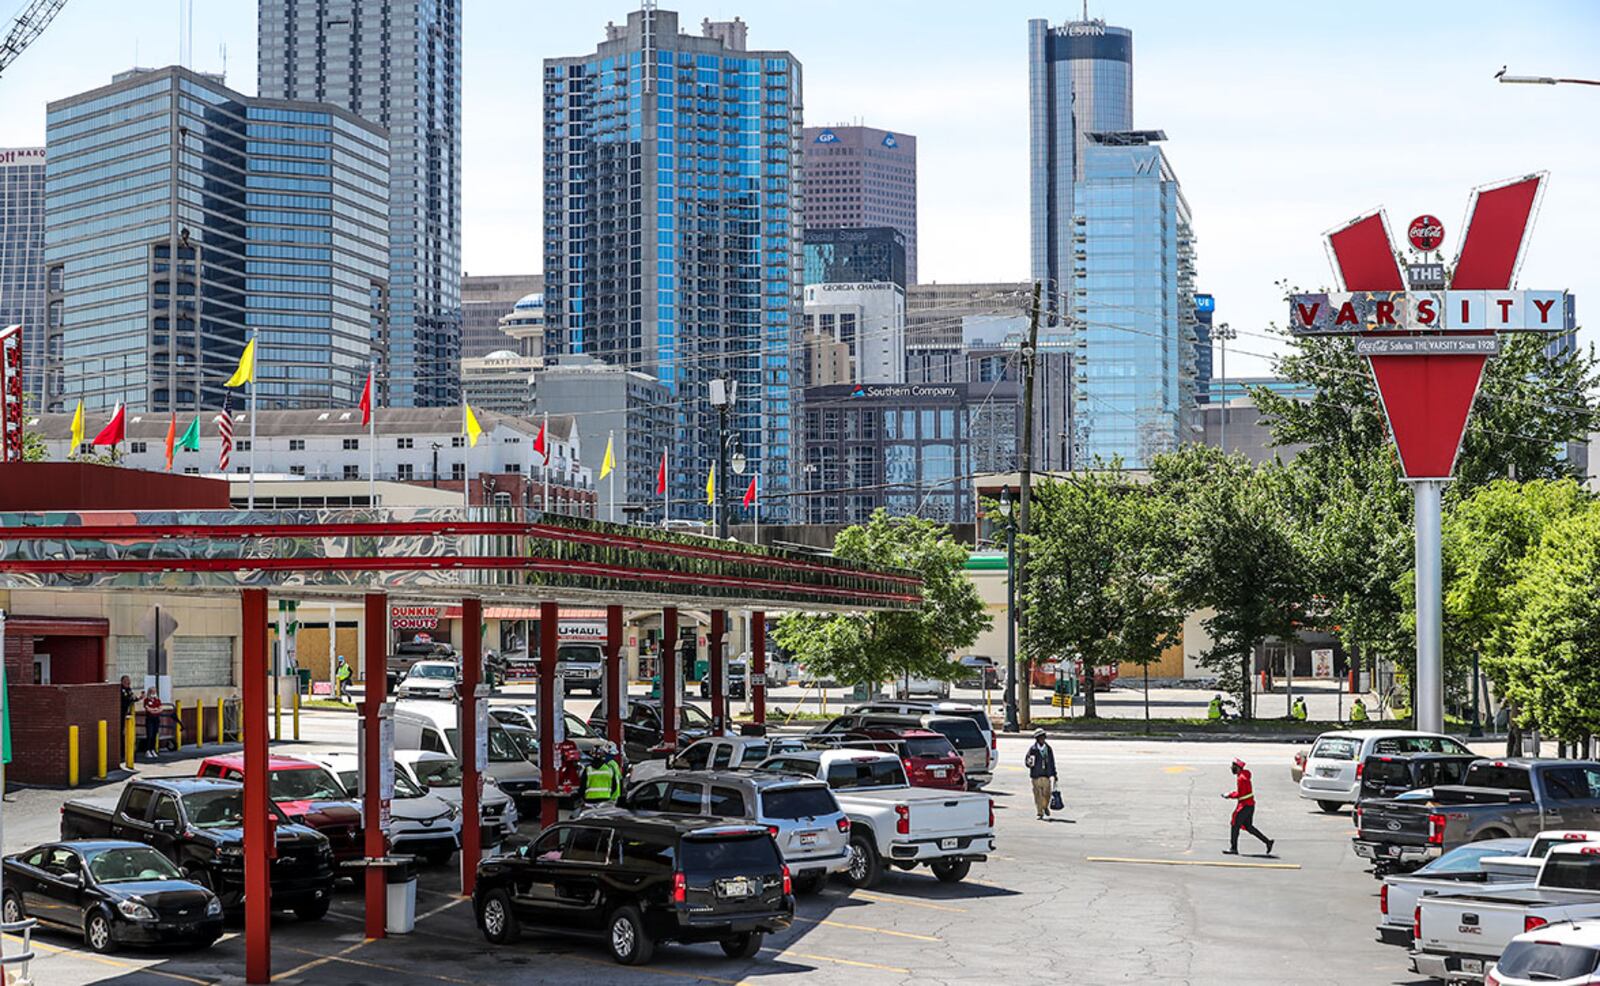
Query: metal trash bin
x,y
401,877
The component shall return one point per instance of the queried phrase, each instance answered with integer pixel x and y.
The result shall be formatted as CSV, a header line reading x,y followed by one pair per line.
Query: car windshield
x,y
1547,961
1502,776
1386,772
805,801
1571,871
751,853
1462,860
865,773
438,773
403,788
1336,748
576,727
446,672
219,808
303,784
963,734
1542,847
690,717
512,744
928,746
127,865
580,653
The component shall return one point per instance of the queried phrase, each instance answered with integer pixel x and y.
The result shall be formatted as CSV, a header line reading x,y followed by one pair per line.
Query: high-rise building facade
x,y
848,256
673,230
855,333
22,259
1205,307
858,177
1080,81
485,300
398,64
276,213
1134,307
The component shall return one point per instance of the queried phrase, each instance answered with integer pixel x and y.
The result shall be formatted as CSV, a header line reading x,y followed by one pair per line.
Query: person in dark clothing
x,y
1244,809
128,697
1041,764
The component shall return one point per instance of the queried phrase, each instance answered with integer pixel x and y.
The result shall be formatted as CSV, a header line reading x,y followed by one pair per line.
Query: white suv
x,y
420,822
1332,776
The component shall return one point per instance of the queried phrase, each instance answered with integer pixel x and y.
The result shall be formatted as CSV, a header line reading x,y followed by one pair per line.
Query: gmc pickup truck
x,y
198,823
893,823
1497,799
1459,935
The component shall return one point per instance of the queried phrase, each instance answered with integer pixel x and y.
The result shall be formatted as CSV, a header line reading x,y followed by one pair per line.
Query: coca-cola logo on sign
x,y
1426,232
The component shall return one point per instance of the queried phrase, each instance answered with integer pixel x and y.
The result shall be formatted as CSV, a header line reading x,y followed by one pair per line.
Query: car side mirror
x,y
73,877
165,825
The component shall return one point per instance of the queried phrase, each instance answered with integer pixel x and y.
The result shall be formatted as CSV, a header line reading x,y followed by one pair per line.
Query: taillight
x,y
902,820
680,888
1532,923
1416,924
1357,816
1436,825
772,830
1490,979
1383,900
994,742
844,825
991,813
788,882
1359,768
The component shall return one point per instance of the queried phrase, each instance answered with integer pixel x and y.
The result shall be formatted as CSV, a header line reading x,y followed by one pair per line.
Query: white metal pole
x,y
372,436
611,438
255,338
548,439
333,632
666,489
1428,716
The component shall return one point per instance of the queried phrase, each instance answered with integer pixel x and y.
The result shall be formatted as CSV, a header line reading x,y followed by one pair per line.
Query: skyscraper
x,y
672,240
838,255
862,176
22,259
272,213
485,300
398,64
1080,81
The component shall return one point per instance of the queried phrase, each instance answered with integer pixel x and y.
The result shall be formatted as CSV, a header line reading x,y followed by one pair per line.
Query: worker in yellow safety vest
x,y
603,780
1358,711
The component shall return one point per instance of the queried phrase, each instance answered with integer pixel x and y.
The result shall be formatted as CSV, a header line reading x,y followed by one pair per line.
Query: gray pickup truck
x,y
1497,799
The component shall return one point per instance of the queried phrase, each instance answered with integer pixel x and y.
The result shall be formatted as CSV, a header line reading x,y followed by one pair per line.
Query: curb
x,y
1171,737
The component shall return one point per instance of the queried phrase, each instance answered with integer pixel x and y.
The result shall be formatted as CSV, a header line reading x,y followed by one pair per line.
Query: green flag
x,y
5,717
190,442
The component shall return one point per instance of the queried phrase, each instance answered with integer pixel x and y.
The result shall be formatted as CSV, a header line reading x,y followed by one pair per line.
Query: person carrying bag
x,y
1041,763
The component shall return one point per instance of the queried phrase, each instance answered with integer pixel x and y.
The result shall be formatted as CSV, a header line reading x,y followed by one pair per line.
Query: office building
x,y
1134,393
502,381
632,410
22,259
850,256
672,230
1080,81
398,64
936,313
485,300
525,325
1205,307
855,333
859,177
275,213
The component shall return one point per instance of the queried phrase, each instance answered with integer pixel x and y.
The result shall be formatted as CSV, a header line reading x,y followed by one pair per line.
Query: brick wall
x,y
19,659
40,715
73,660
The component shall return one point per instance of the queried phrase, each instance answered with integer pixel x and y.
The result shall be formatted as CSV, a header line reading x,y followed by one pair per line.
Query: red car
x,y
930,759
304,792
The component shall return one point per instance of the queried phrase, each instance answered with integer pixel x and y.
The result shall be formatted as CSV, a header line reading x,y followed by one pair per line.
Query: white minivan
x,y
427,725
1332,776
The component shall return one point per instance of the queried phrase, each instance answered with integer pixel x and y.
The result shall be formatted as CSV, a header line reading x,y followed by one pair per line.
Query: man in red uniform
x,y
1244,809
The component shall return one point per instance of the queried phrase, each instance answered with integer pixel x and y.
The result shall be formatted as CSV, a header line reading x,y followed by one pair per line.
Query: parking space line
x,y
106,960
320,960
861,927
477,982
785,952
442,908
1225,864
884,899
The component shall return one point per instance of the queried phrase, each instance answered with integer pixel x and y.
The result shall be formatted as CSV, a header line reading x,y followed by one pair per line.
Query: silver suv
x,y
810,828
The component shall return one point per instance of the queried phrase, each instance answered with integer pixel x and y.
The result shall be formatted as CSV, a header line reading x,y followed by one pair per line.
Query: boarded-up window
x,y
131,655
200,661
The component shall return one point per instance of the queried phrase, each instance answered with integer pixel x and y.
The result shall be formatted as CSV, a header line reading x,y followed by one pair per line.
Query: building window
x,y
458,441
513,467
297,444
404,469
191,470
136,447
242,445
458,470
241,469
352,444
352,472
297,470
404,443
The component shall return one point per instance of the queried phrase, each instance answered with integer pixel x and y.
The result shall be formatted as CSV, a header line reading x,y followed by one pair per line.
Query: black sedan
x,y
111,892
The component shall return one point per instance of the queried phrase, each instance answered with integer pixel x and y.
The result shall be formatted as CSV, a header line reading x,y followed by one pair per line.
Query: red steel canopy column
x,y
259,831
669,678
756,679
616,689
549,642
719,684
471,779
374,693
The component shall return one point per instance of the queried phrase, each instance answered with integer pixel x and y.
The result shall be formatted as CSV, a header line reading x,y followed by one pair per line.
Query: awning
x,y
525,613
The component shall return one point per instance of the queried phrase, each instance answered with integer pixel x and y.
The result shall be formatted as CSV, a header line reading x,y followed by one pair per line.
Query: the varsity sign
x,y
1358,312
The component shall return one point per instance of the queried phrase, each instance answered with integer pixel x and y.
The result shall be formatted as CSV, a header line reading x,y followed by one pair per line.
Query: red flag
x,y
115,430
172,438
750,492
661,474
539,443
366,401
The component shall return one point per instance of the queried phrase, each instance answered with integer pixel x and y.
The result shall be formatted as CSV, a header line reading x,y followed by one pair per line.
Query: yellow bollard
x,y
199,724
127,742
220,721
277,715
100,760
177,726
72,756
297,715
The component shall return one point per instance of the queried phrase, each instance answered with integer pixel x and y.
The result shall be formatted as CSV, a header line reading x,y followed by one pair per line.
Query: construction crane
x,y
35,17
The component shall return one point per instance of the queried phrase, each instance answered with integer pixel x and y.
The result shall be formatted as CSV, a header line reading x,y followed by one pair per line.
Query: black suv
x,y
641,727
635,880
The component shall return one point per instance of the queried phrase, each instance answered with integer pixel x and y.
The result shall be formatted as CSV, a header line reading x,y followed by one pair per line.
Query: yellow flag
x,y
77,432
610,461
473,429
246,373
711,487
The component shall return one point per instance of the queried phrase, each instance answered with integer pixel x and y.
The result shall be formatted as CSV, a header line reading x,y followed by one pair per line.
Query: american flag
x,y
225,430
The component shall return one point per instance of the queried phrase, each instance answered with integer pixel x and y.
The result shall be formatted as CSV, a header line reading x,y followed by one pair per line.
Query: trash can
x,y
305,680
402,896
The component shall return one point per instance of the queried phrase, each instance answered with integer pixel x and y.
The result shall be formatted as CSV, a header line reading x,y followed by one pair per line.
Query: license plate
x,y
1327,771
949,843
939,771
738,887
1391,850
808,838
1474,966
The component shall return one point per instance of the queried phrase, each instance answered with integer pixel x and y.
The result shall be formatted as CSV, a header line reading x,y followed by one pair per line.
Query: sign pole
x,y
1428,716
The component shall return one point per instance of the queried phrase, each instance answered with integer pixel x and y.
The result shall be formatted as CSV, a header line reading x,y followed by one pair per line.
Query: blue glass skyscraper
x,y
181,217
672,239
22,259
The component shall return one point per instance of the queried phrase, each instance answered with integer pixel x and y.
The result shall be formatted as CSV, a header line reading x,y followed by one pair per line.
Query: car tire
x,y
11,909
497,919
627,938
951,870
1330,807
865,868
809,883
316,909
97,933
744,945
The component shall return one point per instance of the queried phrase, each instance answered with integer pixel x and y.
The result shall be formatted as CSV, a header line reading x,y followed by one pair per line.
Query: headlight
x,y
451,813
214,908
135,910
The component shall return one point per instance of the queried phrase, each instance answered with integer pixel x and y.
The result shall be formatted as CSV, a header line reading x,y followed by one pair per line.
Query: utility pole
x,y
1023,700
1011,611
1222,333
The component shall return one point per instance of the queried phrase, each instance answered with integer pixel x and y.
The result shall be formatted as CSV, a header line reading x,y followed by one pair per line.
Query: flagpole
x,y
757,534
547,440
612,516
466,451
255,355
666,490
372,433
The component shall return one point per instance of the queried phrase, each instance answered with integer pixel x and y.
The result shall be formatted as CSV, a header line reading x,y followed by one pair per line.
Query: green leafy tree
x,y
1552,675
1100,586
876,647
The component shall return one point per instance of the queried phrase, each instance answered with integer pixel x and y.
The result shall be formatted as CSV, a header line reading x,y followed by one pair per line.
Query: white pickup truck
x,y
1459,935
893,823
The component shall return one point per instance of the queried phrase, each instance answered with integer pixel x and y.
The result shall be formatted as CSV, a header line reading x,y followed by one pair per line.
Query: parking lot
x,y
1129,886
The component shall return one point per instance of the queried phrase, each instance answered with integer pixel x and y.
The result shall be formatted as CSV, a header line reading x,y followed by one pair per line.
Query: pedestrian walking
x,y
1244,809
1041,763
152,722
341,679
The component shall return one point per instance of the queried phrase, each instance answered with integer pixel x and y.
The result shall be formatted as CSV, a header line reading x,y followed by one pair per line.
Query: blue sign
x,y
1205,303
827,137
889,141
859,391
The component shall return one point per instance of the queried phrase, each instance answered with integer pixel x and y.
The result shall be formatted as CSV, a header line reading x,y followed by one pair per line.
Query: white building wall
x,y
879,308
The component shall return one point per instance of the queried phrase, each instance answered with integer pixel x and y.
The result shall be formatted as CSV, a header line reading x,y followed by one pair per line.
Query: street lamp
x,y
1011,611
722,397
1222,333
1540,80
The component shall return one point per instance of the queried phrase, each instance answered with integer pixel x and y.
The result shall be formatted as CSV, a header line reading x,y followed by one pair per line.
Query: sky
x,y
1283,119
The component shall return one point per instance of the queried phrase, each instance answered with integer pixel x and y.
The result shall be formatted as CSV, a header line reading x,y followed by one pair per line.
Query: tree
x,y
1100,582
875,647
1238,555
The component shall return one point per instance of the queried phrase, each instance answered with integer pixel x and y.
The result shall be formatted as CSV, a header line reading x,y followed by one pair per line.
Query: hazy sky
x,y
1283,118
